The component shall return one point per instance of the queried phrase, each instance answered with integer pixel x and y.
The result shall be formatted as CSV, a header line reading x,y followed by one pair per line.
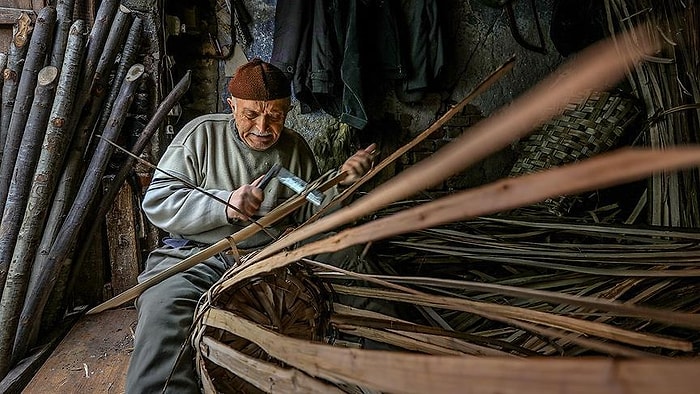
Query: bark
x,y
36,55
64,21
100,81
10,75
54,148
15,285
127,59
67,236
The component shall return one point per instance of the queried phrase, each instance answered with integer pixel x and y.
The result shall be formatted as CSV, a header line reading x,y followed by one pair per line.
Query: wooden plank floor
x,y
92,358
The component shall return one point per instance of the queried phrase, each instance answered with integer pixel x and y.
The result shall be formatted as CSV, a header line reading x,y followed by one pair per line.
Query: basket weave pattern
x,y
583,130
287,300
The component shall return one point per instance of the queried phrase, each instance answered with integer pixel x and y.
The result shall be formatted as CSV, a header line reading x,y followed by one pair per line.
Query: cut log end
x,y
135,72
124,9
47,75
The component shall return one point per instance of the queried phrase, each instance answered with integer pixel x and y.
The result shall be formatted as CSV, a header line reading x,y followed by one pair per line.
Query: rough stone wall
x,y
477,40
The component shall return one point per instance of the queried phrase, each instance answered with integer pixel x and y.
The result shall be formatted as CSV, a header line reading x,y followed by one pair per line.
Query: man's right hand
x,y
247,199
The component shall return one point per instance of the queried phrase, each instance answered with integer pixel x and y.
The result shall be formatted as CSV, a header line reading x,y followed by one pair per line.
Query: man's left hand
x,y
358,164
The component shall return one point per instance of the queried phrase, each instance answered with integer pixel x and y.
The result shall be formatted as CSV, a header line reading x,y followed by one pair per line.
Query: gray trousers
x,y
165,313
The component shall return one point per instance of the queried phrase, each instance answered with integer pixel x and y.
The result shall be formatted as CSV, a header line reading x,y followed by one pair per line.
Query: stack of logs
x,y
66,92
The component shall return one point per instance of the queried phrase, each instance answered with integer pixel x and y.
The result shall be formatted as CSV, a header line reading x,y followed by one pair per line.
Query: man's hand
x,y
247,199
358,164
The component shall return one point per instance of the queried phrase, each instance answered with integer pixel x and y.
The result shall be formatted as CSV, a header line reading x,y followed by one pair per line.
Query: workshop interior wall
x,y
477,40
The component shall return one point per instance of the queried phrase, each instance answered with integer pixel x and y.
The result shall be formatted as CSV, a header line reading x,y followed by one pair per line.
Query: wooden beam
x,y
8,16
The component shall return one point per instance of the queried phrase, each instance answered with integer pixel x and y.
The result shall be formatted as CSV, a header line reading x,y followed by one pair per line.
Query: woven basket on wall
x,y
593,126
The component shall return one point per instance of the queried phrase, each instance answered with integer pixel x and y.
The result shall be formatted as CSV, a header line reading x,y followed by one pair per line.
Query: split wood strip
x,y
439,336
624,165
270,219
621,309
616,230
265,376
414,373
508,314
595,68
68,235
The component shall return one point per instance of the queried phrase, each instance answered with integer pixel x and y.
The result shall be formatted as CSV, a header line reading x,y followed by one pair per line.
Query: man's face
x,y
259,123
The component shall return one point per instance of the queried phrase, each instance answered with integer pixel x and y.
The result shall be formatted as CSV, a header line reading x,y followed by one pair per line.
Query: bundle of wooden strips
x,y
669,86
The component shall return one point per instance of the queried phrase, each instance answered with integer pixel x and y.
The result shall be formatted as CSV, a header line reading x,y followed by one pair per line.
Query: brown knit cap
x,y
258,80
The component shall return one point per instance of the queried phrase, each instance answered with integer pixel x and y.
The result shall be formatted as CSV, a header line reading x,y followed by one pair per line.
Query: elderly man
x,y
227,157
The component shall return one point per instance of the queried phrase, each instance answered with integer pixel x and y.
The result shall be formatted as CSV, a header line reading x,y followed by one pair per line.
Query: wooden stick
x,y
36,55
3,64
67,236
11,74
20,111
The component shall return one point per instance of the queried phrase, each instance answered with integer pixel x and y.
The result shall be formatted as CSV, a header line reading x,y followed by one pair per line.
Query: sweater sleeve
x,y
173,206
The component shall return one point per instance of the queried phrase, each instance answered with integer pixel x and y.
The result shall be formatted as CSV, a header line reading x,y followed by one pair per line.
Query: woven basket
x,y
288,301
593,126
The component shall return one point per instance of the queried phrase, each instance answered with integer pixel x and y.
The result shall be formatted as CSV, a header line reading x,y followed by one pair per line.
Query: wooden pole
x,y
17,276
36,55
95,66
64,281
67,236
27,158
64,21
10,75
127,59
54,148
99,85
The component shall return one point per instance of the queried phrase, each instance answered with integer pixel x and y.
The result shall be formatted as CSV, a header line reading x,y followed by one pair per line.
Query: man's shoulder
x,y
203,124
